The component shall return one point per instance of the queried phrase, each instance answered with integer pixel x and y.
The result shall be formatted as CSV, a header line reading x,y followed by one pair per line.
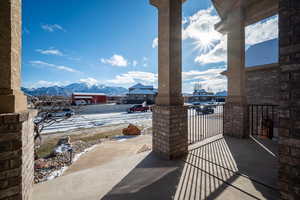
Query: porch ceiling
x,y
254,11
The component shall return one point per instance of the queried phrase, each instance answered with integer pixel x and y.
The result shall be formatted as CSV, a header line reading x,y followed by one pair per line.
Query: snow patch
x,y
60,172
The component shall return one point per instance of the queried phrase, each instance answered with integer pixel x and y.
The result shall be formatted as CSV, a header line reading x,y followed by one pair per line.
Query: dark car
x,y
138,108
205,109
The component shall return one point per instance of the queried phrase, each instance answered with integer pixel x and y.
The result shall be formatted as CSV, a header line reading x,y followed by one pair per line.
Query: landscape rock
x,y
131,130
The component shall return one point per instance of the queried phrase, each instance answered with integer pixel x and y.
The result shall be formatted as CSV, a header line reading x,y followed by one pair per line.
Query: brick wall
x,y
289,132
262,85
236,121
170,131
16,156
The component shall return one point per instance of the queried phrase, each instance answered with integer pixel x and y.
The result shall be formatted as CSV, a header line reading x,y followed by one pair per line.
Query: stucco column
x,y
236,110
169,114
11,98
169,51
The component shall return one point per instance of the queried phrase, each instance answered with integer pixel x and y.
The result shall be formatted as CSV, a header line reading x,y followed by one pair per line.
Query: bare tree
x,y
51,110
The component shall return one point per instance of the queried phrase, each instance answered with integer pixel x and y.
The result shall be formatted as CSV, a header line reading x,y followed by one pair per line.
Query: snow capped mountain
x,y
75,87
222,93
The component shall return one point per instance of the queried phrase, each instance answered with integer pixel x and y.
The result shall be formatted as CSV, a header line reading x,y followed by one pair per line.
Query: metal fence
x,y
204,121
263,120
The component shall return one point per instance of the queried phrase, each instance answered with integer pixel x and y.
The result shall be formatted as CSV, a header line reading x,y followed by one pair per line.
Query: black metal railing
x,y
263,120
204,121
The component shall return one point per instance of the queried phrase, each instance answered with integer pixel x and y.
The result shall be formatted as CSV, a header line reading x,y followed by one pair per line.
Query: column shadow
x,y
223,169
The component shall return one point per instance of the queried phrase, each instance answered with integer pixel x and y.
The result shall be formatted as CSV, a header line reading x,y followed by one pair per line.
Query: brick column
x,y
16,127
169,116
289,132
16,156
236,109
11,98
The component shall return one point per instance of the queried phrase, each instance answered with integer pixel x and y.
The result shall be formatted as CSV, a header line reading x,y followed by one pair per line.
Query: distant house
x,y
88,98
140,93
202,95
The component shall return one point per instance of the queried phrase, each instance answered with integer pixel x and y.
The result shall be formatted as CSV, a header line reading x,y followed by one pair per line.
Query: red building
x,y
88,98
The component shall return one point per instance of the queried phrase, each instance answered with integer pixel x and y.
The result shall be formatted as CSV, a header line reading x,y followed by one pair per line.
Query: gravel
x,y
54,165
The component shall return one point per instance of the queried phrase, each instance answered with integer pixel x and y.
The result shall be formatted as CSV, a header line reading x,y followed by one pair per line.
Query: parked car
x,y
66,112
205,109
138,108
80,102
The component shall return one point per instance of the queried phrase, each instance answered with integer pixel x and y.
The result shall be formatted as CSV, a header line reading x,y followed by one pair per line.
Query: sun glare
x,y
204,44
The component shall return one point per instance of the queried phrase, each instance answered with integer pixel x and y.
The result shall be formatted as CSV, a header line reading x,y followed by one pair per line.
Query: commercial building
x,y
89,98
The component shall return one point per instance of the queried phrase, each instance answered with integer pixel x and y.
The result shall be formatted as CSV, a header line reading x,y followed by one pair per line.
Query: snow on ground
x,y
98,120
60,172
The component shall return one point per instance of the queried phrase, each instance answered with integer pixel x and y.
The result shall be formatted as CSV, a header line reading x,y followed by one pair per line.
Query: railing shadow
x,y
152,178
226,168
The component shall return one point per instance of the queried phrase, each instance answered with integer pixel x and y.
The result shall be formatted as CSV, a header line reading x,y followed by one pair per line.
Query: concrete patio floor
x,y
223,168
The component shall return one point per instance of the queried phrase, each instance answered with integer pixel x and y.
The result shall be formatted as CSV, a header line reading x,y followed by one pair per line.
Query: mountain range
x,y
74,87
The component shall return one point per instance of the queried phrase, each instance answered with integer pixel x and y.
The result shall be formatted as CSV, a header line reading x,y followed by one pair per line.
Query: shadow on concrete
x,y
226,168
152,178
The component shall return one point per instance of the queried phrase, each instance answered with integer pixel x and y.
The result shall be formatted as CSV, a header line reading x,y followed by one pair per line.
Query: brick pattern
x,y
289,132
16,156
170,131
236,123
262,86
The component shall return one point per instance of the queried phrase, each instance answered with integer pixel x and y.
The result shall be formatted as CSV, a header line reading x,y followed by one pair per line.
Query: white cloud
x,y
184,20
115,60
132,77
212,45
43,83
262,31
134,63
90,81
217,54
210,78
155,43
50,51
52,27
58,67
207,41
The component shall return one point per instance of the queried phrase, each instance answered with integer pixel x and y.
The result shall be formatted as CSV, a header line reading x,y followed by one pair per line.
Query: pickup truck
x,y
138,108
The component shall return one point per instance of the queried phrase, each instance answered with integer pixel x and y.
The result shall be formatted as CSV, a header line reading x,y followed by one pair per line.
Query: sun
x,y
204,43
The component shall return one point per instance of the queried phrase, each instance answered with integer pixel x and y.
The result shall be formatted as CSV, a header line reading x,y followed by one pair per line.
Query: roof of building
x,y
204,95
200,90
83,97
142,91
86,93
141,86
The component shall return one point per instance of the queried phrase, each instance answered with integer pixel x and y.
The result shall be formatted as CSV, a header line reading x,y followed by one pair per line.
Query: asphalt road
x,y
103,108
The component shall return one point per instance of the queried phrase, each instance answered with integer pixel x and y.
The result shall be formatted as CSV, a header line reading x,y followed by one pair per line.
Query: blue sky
x,y
114,43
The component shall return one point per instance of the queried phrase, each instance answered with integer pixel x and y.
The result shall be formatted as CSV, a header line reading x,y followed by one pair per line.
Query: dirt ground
x,y
92,134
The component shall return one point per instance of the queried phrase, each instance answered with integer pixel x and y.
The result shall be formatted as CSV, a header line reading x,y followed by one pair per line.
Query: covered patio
x,y
218,168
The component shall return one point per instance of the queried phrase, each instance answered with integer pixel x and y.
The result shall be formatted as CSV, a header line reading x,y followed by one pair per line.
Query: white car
x,y
80,102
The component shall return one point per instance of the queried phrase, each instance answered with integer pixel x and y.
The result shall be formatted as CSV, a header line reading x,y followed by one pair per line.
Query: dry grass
x,y
48,145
